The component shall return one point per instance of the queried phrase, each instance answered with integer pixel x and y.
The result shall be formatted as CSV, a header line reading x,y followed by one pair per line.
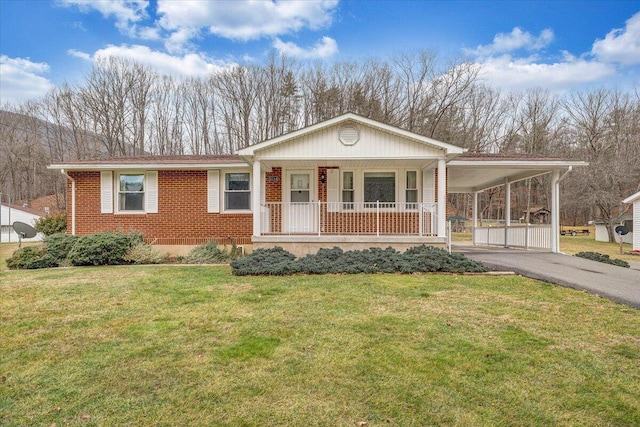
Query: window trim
x,y
224,191
400,189
117,192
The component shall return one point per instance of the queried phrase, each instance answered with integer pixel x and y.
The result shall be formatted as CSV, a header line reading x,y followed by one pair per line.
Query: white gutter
x,y
73,201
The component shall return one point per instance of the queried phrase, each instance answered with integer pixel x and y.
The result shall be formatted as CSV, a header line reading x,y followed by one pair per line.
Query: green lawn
x,y
193,346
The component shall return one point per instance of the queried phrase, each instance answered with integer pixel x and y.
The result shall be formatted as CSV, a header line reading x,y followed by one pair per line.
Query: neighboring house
x,y
10,213
603,236
348,181
50,205
634,231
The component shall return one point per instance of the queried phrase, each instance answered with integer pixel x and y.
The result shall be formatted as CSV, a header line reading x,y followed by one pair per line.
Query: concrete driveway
x,y
615,283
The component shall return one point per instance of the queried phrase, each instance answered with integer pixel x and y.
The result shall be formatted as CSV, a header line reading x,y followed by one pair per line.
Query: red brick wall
x,y
182,216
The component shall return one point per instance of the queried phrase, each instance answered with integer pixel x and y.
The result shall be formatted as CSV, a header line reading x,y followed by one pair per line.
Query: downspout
x,y
73,201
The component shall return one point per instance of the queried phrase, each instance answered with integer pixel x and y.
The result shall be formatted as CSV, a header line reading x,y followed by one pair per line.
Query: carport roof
x,y
472,172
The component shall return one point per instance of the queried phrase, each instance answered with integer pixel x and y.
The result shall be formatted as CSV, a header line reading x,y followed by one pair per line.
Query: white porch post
x,y
507,211
442,198
555,211
475,217
255,197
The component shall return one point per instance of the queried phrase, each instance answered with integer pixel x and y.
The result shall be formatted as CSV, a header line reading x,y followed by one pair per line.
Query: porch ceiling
x,y
471,179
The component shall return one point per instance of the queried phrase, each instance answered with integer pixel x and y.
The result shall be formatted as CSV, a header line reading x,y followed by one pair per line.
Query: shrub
x,y
595,256
423,258
266,262
30,257
210,253
58,245
144,254
52,224
101,249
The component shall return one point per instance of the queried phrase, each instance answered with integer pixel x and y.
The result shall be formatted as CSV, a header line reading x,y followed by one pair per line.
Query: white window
x,y
347,190
131,192
411,191
237,191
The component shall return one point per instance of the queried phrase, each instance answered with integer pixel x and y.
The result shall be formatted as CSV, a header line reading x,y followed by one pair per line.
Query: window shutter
x,y
106,192
428,186
213,191
151,192
333,190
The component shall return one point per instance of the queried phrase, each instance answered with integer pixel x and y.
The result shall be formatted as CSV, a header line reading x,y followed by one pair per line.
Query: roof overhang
x,y
632,198
470,176
148,165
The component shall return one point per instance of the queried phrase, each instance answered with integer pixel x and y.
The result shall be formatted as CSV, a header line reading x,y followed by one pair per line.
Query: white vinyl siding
x,y
636,226
372,144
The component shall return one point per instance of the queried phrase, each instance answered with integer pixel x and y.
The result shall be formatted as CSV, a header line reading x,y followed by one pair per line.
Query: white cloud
x,y
243,19
188,65
515,40
127,13
508,73
323,49
21,79
621,45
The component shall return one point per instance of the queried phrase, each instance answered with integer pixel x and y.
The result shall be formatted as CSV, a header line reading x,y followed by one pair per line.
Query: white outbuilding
x,y
9,214
635,224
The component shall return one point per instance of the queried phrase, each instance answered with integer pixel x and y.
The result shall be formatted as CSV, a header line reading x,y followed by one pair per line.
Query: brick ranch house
x,y
348,181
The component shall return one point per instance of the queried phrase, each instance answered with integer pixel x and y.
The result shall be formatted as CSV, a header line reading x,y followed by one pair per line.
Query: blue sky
x,y
555,45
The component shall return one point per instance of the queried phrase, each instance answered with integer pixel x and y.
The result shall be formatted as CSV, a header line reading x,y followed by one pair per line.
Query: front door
x,y
301,210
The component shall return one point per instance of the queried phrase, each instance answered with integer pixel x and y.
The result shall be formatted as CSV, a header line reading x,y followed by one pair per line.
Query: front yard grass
x,y
194,346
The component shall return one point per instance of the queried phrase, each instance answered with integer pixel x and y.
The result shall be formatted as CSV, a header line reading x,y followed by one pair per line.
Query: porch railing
x,y
349,219
521,236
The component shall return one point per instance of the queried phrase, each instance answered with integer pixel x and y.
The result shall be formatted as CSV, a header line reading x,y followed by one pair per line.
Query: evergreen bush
x,y
31,257
595,256
423,258
58,245
102,249
52,224
266,262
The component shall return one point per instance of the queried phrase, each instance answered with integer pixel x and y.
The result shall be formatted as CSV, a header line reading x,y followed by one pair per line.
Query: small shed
x,y
10,213
538,215
601,229
635,223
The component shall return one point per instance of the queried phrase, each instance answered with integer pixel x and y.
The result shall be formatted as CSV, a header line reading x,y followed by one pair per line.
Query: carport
x,y
473,173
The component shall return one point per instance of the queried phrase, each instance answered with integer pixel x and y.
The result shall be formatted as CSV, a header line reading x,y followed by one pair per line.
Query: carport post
x,y
507,211
475,217
555,211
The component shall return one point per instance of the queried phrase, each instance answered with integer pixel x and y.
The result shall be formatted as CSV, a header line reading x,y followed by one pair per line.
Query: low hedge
x,y
102,249
278,262
31,257
595,256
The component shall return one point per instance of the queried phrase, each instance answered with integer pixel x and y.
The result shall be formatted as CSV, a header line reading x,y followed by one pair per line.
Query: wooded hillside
x,y
124,108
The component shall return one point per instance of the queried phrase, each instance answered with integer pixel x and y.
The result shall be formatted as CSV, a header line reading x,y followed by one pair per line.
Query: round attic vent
x,y
349,134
